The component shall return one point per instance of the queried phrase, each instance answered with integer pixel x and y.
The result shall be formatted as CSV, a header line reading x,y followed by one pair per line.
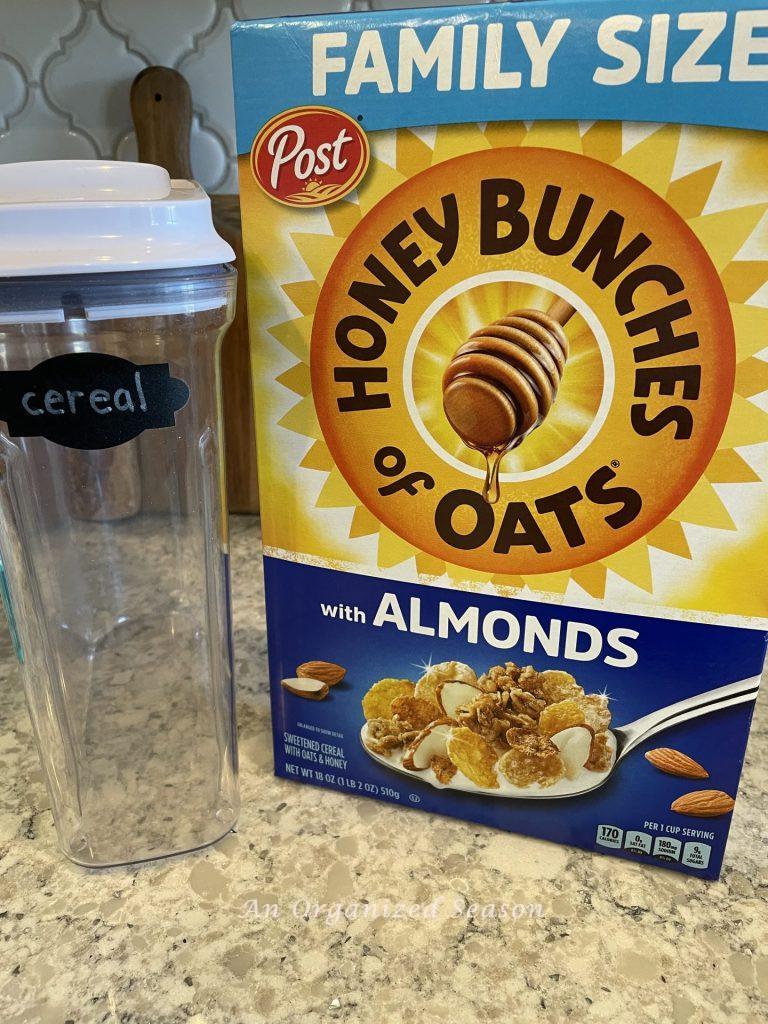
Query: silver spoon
x,y
632,735
627,737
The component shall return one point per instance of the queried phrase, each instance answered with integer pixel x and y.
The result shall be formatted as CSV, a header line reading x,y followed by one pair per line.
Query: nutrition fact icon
x,y
610,836
693,855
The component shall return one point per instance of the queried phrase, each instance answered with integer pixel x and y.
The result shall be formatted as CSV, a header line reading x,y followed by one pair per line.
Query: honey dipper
x,y
502,382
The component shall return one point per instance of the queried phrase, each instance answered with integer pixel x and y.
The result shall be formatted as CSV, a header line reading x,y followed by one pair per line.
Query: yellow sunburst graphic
x,y
715,180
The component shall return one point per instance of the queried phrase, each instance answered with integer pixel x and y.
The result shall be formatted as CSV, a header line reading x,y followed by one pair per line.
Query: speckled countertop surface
x,y
247,932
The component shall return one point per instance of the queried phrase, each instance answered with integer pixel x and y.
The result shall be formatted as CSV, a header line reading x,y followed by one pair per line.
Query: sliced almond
x,y
452,694
431,742
574,745
312,689
674,762
455,671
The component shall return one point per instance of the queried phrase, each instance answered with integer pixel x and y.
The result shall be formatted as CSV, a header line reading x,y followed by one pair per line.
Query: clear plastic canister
x,y
114,296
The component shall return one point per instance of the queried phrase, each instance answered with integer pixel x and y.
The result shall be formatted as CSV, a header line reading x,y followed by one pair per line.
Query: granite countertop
x,y
271,924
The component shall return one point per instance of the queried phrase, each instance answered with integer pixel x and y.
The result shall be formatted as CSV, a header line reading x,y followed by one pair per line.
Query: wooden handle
x,y
242,479
561,311
161,106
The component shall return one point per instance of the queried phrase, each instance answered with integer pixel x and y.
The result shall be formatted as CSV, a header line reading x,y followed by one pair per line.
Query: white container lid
x,y
78,216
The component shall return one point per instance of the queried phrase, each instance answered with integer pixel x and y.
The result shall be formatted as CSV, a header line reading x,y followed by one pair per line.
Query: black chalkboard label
x,y
90,400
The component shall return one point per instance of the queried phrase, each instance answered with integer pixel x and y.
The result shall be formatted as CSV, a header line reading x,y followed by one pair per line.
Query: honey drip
x,y
491,487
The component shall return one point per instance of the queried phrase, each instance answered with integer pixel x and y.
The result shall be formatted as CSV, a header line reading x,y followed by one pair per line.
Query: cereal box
x,y
507,275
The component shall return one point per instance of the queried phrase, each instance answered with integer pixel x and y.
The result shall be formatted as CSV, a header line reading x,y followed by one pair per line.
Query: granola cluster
x,y
493,715
532,758
600,755
549,687
512,722
443,767
388,734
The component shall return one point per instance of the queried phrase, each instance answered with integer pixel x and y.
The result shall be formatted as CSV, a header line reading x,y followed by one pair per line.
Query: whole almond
x,y
704,803
673,762
326,671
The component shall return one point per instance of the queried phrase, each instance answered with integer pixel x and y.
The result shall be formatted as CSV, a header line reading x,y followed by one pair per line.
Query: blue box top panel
x,y
697,63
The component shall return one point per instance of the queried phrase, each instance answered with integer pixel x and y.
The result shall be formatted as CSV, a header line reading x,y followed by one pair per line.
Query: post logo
x,y
310,156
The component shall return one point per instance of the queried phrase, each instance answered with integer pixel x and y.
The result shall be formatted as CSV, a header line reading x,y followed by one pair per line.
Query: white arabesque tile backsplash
x,y
66,68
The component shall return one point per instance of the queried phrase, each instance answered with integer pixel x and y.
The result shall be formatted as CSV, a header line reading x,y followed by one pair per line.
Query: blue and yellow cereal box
x,y
507,273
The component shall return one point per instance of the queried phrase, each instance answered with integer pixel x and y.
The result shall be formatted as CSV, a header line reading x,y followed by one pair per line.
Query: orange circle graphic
x,y
646,389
